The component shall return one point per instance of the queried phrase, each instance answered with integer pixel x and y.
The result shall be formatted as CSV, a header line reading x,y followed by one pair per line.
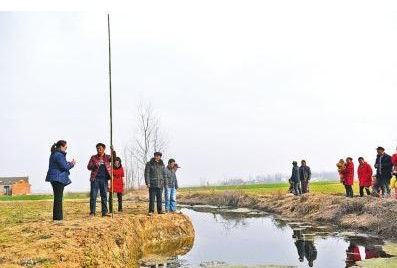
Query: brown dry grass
x,y
29,238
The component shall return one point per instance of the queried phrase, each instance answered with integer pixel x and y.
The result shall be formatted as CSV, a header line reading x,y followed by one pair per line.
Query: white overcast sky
x,y
242,88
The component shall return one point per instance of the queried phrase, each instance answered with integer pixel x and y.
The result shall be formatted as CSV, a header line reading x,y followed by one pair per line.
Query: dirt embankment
x,y
366,214
29,238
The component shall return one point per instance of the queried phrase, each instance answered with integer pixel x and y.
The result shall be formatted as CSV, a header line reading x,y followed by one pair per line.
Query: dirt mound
x,y
32,240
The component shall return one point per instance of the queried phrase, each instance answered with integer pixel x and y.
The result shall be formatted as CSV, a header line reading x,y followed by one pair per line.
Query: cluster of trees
x,y
148,138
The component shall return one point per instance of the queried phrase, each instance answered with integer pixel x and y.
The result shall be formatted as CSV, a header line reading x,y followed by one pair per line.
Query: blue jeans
x,y
170,199
100,184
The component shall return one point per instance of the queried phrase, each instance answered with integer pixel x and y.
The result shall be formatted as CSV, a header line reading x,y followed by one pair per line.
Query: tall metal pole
x,y
111,120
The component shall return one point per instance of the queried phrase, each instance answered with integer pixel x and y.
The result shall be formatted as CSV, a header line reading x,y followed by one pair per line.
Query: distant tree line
x,y
278,177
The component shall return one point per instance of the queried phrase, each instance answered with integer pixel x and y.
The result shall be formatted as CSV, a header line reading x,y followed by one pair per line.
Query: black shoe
x,y
161,212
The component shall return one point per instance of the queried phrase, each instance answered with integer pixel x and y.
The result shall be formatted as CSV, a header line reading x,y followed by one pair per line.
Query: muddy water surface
x,y
246,237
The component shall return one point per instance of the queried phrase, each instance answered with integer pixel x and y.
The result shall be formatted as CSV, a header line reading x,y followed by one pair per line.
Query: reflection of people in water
x,y
352,254
310,252
300,246
306,248
371,251
171,262
299,243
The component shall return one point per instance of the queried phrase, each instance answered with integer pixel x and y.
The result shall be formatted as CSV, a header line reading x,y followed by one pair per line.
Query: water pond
x,y
242,237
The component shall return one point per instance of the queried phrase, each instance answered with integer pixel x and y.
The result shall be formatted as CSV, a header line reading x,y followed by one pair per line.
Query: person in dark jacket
x,y
101,170
170,187
304,175
155,179
295,180
58,174
384,167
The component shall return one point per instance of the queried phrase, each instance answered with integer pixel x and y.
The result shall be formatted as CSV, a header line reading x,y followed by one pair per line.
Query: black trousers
x,y
155,193
119,200
57,211
349,190
362,191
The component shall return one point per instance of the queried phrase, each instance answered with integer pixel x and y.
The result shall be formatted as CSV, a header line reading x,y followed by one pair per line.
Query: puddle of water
x,y
249,238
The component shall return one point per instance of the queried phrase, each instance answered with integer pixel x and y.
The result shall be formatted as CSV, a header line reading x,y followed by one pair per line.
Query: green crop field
x,y
34,197
330,187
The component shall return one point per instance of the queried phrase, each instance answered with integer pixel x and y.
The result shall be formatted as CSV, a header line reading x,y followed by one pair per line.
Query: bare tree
x,y
129,167
148,139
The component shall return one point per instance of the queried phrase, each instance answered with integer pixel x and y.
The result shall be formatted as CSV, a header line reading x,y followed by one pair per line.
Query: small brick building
x,y
14,186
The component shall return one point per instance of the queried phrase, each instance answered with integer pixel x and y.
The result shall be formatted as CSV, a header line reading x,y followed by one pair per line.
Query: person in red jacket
x,y
118,183
364,172
100,167
394,162
348,177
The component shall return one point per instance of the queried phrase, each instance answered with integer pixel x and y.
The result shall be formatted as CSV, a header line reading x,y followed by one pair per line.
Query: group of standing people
x,y
385,166
300,178
161,179
101,172
158,178
101,169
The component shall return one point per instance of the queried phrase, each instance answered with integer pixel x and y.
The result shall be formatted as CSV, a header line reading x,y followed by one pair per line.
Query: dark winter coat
x,y
295,174
155,174
171,180
383,165
305,173
58,169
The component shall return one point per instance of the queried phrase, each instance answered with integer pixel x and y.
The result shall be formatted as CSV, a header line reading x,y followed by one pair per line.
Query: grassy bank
x,y
326,187
29,238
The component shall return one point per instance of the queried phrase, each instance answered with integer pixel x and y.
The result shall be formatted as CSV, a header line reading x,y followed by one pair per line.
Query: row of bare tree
x,y
148,138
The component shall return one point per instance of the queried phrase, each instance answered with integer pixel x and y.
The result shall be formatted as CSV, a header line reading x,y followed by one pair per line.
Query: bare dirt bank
x,y
366,214
29,238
